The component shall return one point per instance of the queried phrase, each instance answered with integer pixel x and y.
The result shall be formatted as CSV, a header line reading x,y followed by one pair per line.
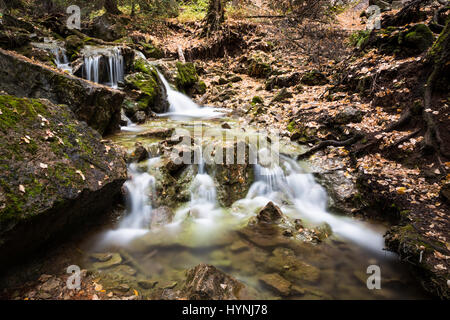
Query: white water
x,y
61,60
94,57
182,107
137,219
309,201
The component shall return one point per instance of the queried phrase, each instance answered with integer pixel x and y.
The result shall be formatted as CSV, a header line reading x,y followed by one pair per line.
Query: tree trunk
x,y
133,5
214,17
111,7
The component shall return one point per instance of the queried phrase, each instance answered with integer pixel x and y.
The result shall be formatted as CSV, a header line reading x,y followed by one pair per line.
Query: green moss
x,y
418,38
359,38
291,126
73,46
151,51
186,76
257,100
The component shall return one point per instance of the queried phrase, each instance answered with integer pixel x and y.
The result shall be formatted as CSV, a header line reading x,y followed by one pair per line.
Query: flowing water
x,y
103,65
58,51
203,231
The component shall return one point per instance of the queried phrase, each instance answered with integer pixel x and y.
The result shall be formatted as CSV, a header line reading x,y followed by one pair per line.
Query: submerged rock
x,y
277,283
114,260
98,105
206,282
161,216
55,173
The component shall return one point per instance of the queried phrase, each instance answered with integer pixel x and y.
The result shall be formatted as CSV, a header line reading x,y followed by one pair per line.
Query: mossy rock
x,y
258,65
257,100
360,38
186,77
54,173
314,78
151,51
419,38
74,44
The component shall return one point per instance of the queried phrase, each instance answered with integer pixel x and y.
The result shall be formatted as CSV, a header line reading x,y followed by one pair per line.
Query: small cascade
x,y
104,65
58,51
182,107
309,199
61,60
137,219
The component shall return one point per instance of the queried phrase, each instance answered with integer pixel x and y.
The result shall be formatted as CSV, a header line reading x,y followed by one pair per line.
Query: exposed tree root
x,y
330,143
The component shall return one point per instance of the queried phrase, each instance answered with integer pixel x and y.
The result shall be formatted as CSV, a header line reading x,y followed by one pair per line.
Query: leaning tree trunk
x,y
111,7
214,17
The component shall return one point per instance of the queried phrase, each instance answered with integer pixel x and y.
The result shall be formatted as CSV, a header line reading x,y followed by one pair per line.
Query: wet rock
x,y
101,257
270,214
161,216
187,78
341,190
115,260
314,78
323,232
276,283
160,133
124,270
98,105
140,117
49,183
139,154
206,282
225,126
285,262
147,284
238,246
233,179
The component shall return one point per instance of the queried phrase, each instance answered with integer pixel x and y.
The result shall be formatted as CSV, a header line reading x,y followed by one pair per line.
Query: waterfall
x,y
61,60
182,107
137,218
309,200
104,65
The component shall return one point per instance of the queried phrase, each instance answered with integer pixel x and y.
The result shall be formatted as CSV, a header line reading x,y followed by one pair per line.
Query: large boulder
x,y
107,27
206,282
55,174
152,95
97,105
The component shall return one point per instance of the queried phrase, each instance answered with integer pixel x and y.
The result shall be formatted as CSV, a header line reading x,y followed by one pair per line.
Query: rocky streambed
x,y
181,238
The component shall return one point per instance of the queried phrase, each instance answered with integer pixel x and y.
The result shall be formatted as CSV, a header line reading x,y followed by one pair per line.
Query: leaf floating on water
x,y
81,174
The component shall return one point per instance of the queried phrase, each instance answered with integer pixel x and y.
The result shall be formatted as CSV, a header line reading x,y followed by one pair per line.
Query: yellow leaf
x,y
401,190
136,293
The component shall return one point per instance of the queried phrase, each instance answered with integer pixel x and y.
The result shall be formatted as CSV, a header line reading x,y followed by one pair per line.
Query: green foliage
x,y
257,100
193,10
359,38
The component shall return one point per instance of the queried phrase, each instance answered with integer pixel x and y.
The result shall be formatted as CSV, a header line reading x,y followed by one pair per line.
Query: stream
x,y
152,260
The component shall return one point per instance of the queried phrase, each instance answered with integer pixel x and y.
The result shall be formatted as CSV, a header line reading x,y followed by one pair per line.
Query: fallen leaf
x,y
22,188
81,174
43,165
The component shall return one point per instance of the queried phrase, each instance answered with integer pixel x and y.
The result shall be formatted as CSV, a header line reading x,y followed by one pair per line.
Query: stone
x,y
282,96
276,283
139,154
206,282
161,216
284,81
147,284
159,133
140,117
284,262
49,154
314,78
225,126
348,115
115,260
270,214
101,257
95,104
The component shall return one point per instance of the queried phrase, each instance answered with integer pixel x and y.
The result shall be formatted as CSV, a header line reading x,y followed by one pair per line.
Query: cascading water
x,y
309,200
61,60
103,65
138,215
182,107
